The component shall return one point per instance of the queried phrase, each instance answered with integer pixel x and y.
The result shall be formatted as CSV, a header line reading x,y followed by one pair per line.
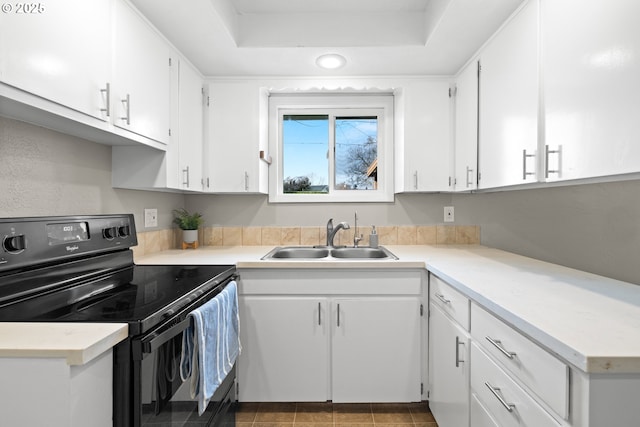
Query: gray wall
x,y
591,227
43,172
254,210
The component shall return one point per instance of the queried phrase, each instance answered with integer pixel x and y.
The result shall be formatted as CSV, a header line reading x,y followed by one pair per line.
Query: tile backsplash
x,y
161,240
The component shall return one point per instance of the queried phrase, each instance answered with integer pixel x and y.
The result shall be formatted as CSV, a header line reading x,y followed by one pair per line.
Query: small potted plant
x,y
189,223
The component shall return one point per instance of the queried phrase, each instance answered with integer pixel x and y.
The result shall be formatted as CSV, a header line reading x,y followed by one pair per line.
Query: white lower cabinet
x,y
505,400
449,365
541,372
375,349
449,373
285,344
48,391
341,336
480,417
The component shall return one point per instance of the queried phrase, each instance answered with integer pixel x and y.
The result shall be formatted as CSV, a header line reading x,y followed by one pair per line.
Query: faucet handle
x,y
329,230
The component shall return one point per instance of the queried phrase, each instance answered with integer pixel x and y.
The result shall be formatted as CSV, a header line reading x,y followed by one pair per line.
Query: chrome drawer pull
x,y
525,156
469,181
107,92
127,104
494,390
442,298
458,361
498,345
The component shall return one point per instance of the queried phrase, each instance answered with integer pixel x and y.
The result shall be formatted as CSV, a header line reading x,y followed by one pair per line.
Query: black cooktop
x,y
136,295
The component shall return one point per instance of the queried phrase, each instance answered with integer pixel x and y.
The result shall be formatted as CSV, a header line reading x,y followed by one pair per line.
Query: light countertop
x,y
589,321
79,343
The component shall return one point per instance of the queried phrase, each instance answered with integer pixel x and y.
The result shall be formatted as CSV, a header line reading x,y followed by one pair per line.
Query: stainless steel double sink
x,y
324,252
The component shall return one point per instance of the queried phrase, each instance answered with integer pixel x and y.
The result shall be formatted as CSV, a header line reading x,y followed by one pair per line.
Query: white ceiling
x,y
284,37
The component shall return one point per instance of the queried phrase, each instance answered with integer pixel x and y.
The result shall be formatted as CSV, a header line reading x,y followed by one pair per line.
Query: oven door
x,y
155,394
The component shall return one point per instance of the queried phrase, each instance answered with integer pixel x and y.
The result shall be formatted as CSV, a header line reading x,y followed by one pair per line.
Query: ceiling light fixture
x,y
331,61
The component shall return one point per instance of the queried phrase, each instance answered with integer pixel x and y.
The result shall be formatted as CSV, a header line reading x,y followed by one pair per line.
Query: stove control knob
x,y
14,244
124,231
109,233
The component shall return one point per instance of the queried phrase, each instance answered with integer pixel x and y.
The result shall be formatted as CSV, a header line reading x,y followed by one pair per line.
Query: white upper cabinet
x,y
60,51
190,126
423,137
141,88
466,128
591,69
179,166
236,122
508,130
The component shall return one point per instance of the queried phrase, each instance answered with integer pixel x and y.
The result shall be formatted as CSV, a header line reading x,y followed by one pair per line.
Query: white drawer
x,y
480,417
541,372
507,403
452,302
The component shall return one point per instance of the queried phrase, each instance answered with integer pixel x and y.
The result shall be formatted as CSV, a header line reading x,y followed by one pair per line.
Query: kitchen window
x,y
331,148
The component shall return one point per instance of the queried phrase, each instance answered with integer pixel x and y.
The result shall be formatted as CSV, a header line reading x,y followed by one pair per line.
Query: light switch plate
x,y
448,214
150,218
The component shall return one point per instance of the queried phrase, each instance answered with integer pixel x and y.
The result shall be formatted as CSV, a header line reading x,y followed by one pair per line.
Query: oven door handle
x,y
154,340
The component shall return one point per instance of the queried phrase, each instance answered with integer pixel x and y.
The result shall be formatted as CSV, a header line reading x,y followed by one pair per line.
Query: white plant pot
x,y
189,236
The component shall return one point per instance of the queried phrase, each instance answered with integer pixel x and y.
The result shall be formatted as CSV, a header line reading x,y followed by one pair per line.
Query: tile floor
x,y
334,415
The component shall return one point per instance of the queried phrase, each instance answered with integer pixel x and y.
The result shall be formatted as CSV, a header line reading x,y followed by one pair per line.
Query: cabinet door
x,y
423,156
466,134
285,349
448,370
509,102
591,87
190,127
376,350
58,50
235,115
480,417
141,89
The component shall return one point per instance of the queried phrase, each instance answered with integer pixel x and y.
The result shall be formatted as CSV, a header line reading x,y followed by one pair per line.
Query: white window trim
x,y
298,103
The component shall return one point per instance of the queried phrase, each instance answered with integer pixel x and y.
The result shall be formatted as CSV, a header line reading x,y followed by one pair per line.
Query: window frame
x,y
333,104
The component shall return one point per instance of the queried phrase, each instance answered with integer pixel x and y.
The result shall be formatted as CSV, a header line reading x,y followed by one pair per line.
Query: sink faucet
x,y
356,237
332,231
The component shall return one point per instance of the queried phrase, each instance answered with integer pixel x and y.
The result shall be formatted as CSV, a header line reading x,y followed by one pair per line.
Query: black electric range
x,y
81,269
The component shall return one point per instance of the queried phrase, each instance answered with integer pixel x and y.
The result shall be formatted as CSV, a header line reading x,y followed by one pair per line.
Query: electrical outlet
x,y
150,218
448,214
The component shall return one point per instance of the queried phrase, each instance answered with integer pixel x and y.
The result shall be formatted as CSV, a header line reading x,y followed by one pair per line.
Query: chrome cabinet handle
x,y
185,173
415,180
469,181
442,298
458,361
494,390
246,181
498,345
127,105
525,156
107,92
319,314
338,315
547,151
